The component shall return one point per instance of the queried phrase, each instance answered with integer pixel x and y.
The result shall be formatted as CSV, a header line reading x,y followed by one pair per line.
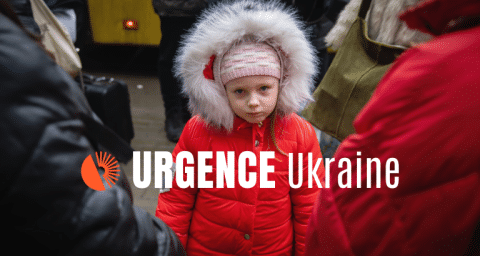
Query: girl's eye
x,y
238,91
264,88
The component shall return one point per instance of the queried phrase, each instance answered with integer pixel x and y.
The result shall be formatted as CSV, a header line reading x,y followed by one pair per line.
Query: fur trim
x,y
384,26
225,24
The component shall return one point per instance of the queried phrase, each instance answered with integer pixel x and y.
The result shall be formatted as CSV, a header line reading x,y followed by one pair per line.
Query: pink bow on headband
x,y
208,71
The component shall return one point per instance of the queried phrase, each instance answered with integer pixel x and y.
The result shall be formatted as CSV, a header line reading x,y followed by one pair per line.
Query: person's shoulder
x,y
196,124
295,121
298,131
449,47
22,55
195,136
197,128
17,48
294,127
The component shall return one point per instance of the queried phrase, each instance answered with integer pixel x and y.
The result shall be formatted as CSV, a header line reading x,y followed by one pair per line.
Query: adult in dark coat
x,y
47,130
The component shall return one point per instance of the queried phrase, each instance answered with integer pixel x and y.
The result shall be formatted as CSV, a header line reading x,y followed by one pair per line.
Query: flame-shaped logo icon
x,y
90,170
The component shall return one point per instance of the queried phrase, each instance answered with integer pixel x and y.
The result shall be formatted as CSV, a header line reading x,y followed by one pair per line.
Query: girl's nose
x,y
253,101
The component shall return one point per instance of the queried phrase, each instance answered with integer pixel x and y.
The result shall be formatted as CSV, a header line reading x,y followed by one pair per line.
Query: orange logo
x,y
90,173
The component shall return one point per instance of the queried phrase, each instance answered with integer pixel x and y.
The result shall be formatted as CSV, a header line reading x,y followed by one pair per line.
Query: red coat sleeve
x,y
304,197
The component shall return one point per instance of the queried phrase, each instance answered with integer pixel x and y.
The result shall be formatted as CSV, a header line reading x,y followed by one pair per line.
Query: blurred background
x,y
120,39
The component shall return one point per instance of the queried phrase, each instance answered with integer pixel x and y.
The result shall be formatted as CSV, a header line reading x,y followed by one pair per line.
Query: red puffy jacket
x,y
425,113
241,221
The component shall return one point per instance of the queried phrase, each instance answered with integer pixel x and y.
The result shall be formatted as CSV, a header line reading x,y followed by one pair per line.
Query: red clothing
x,y
241,221
426,114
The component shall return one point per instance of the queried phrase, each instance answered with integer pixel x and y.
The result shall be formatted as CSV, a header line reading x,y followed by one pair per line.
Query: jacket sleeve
x,y
175,206
304,197
43,146
51,203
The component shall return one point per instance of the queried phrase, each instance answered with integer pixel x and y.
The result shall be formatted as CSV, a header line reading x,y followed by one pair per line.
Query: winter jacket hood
x,y
227,23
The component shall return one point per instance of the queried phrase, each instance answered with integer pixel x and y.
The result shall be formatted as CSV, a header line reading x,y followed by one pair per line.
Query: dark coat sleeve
x,y
45,203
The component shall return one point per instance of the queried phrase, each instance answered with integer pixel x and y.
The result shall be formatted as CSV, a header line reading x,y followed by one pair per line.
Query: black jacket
x,y
46,208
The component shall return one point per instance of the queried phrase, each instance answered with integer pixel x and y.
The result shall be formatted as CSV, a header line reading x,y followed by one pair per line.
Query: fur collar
x,y
224,24
384,25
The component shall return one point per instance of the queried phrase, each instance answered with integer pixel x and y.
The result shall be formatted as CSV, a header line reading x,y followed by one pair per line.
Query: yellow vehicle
x,y
124,22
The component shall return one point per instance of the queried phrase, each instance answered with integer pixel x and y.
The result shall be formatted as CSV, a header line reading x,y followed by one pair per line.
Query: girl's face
x,y
253,98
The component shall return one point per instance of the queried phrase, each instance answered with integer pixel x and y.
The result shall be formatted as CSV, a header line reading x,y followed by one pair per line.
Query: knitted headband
x,y
249,59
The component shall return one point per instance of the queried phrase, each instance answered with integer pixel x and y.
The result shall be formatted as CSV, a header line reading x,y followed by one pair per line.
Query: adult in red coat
x,y
425,113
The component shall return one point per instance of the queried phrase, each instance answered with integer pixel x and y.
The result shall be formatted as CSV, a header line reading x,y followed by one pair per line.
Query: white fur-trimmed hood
x,y
224,24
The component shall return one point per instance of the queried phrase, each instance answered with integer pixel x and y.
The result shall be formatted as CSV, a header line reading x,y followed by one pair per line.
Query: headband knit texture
x,y
249,59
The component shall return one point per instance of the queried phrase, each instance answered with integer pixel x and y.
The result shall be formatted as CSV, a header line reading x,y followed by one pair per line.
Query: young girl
x,y
247,67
